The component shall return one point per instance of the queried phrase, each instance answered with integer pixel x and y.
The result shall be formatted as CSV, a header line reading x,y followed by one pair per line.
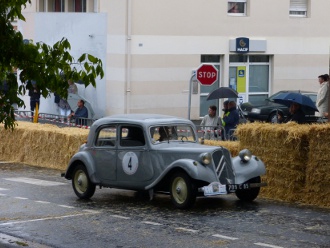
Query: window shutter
x,y
298,5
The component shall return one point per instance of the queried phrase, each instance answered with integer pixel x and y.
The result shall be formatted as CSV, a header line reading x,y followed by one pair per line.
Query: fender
x,y
245,171
87,160
193,168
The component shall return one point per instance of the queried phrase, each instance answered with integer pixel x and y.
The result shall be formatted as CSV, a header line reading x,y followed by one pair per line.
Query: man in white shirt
x,y
210,123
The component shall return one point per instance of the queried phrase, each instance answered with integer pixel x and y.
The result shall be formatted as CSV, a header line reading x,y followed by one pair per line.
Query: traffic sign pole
x,y
190,92
206,75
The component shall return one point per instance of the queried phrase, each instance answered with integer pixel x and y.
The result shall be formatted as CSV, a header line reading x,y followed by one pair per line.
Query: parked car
x,y
158,153
267,110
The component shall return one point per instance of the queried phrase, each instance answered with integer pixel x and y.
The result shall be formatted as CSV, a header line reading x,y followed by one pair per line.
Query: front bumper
x,y
217,188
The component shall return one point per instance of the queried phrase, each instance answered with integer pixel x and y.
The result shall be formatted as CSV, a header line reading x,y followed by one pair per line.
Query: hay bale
x,y
42,145
232,146
317,190
284,150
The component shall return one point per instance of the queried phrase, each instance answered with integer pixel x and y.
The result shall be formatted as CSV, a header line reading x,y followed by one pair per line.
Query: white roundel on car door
x,y
130,163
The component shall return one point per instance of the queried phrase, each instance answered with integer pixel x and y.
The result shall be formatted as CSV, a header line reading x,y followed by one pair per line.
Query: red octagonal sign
x,y
207,74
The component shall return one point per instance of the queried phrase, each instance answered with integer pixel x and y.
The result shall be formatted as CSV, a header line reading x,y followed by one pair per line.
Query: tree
x,y
49,66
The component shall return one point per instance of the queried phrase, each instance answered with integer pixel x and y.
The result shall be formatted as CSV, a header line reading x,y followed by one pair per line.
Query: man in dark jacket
x,y
231,120
80,113
34,94
296,114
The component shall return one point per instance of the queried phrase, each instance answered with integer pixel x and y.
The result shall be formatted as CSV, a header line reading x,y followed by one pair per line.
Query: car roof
x,y
142,119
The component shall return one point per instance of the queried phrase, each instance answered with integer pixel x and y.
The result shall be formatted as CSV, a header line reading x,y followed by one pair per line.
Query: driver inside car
x,y
163,134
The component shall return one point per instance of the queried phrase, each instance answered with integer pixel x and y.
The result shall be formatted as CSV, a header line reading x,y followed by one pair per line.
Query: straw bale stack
x,y
232,146
284,150
317,191
42,145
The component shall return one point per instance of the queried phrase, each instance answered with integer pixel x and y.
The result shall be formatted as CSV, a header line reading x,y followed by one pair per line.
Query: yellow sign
x,y
241,79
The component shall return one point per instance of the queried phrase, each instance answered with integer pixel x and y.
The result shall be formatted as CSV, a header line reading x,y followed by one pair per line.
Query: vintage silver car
x,y
159,153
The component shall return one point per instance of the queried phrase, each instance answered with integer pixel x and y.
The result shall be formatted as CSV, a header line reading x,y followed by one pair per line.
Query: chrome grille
x,y
223,166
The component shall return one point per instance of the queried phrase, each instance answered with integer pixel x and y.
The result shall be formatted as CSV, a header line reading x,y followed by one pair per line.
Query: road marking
x,y
3,189
186,230
268,245
65,206
34,181
92,211
120,217
152,223
21,198
2,194
42,219
224,237
44,202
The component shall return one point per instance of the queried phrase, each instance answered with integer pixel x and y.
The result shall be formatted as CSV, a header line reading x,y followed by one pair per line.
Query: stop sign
x,y
207,74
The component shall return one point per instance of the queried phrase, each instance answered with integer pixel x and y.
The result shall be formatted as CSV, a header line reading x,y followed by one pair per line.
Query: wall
x,y
86,33
153,46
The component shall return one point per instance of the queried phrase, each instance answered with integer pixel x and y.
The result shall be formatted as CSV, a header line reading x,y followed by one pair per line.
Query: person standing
x,y
323,95
225,113
231,121
65,109
34,95
210,122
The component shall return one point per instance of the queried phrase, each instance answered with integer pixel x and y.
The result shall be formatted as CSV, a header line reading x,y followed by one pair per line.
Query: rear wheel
x,y
273,118
82,185
183,190
249,194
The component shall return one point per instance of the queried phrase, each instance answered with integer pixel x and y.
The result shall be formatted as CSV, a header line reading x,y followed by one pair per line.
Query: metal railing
x,y
215,133
60,119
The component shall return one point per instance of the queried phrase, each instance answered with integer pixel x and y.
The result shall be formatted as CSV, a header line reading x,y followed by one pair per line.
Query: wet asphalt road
x,y
47,213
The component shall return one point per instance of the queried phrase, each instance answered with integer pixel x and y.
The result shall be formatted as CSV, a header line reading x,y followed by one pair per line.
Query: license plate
x,y
234,187
215,188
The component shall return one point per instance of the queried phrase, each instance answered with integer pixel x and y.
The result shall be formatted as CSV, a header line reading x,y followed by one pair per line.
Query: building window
x,y
41,6
298,8
56,6
250,76
237,7
78,5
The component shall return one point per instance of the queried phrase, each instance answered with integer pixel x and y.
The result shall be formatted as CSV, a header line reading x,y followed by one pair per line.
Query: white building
x,y
149,48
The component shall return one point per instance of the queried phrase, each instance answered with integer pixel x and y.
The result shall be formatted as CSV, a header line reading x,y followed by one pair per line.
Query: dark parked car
x,y
157,153
266,110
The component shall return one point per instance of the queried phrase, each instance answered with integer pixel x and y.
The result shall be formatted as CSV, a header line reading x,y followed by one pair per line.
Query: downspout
x,y
128,57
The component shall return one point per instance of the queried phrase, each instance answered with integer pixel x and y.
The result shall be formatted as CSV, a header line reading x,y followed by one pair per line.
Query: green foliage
x,y
50,66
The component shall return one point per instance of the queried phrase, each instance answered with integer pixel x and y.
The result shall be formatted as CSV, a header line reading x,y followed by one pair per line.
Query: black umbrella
x,y
222,92
294,97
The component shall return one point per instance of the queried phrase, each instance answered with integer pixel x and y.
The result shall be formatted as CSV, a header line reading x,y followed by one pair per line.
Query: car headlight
x,y
206,158
255,110
245,155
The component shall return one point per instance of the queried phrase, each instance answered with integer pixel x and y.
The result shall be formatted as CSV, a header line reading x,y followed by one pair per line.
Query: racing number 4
x,y
130,163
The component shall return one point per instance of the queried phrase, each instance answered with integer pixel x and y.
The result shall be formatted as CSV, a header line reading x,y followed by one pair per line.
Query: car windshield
x,y
167,133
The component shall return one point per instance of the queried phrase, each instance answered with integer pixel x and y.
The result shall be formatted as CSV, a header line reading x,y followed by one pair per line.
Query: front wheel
x,y
183,190
82,185
249,194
